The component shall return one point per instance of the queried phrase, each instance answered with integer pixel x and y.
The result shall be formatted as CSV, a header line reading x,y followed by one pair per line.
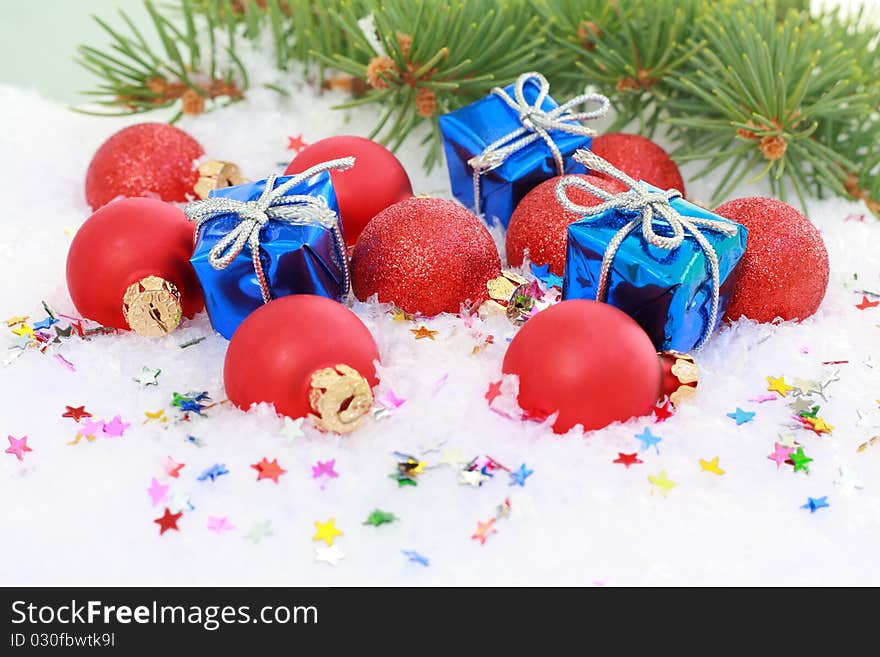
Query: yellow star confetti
x,y
820,425
399,315
326,531
13,321
423,332
662,483
24,331
711,466
158,416
778,385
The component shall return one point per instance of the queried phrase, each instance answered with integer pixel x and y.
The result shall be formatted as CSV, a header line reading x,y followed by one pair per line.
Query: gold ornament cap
x,y
340,397
216,174
685,369
152,307
503,292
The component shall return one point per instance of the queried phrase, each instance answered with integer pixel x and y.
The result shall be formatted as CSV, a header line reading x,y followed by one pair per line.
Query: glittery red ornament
x,y
784,272
300,352
540,224
590,361
426,255
147,159
128,267
640,158
376,180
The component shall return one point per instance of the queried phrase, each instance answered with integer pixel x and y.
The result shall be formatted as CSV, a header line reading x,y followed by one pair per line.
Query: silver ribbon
x,y
297,209
649,205
536,123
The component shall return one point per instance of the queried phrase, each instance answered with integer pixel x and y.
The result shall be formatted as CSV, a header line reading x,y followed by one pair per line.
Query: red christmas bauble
x,y
640,158
588,360
376,180
784,272
147,159
540,225
300,353
128,267
678,376
426,255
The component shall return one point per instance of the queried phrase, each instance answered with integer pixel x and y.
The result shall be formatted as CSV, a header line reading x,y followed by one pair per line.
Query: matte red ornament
x,y
376,180
301,353
640,158
588,360
128,267
146,159
540,224
426,255
784,272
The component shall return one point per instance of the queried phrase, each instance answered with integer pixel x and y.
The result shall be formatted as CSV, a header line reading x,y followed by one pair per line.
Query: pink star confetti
x,y
220,525
324,469
157,491
780,454
763,398
18,447
89,429
116,427
391,401
61,359
172,467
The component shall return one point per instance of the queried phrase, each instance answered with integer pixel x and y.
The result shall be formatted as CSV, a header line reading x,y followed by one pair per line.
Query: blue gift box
x,y
297,256
468,131
669,292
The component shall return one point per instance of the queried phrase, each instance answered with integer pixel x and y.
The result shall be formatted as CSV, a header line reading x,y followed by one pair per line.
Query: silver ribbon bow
x,y
297,209
536,123
649,205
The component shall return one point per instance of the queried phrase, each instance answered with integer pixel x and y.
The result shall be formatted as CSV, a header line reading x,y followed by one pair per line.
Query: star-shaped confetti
x,y
816,503
627,459
390,400
548,278
379,517
43,324
800,460
865,303
779,385
296,143
780,454
116,427
848,480
403,480
415,557
77,413
423,332
171,467
741,416
399,315
648,440
155,416
168,521
268,469
484,531
518,477
18,447
213,472
148,377
324,469
326,531
662,482
329,554
91,430
157,491
24,331
803,387
219,524
493,391
664,412
259,531
711,466
292,429
474,478
16,320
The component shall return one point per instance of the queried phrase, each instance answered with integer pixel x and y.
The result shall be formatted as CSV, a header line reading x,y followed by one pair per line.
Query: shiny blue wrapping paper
x,y
668,292
467,131
297,259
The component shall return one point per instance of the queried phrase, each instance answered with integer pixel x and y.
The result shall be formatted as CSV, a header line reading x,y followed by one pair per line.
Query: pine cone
x,y
376,69
193,102
426,102
773,147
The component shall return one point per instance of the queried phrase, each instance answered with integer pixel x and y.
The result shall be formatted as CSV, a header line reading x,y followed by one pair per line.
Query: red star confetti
x,y
627,459
76,412
662,413
172,468
493,392
865,303
168,521
268,469
296,143
484,531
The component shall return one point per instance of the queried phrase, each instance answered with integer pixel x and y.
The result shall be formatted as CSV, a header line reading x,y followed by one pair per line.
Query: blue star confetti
x,y
648,440
415,557
518,477
816,503
547,277
213,472
741,416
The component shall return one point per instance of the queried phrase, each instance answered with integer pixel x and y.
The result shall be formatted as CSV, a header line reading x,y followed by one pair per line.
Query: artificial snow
x,y
81,515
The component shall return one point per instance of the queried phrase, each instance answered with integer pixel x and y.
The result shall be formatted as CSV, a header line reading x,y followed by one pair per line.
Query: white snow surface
x,y
80,514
